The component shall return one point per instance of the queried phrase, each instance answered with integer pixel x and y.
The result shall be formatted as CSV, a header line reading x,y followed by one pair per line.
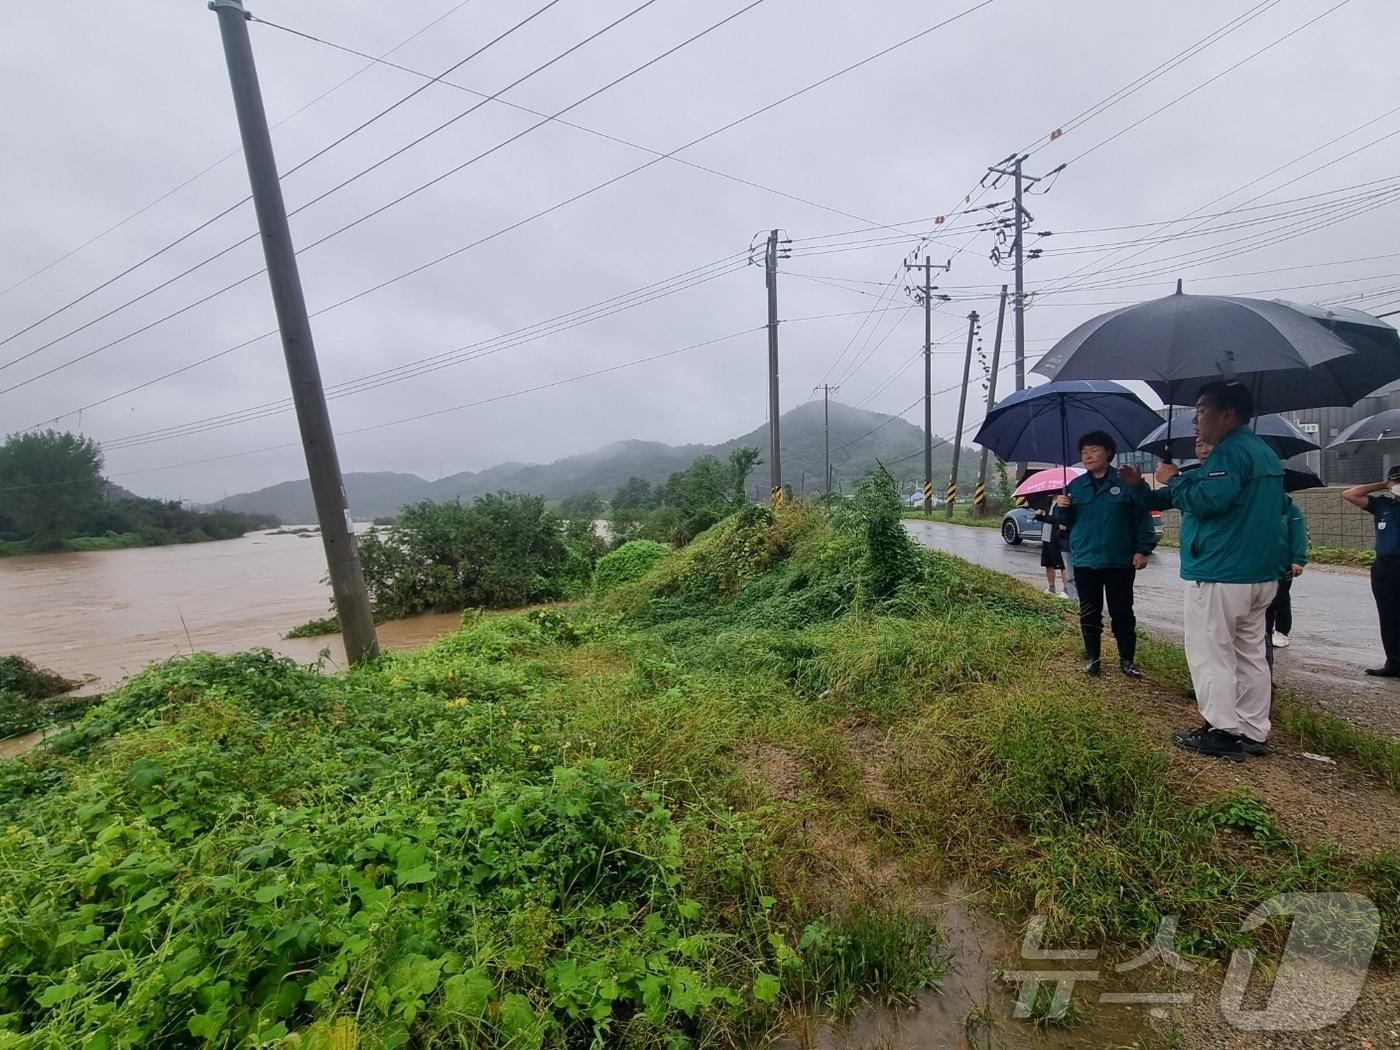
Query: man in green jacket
x,y
1231,534
1110,537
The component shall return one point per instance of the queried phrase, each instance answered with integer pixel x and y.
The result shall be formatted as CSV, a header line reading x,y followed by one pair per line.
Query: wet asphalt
x,y
1335,631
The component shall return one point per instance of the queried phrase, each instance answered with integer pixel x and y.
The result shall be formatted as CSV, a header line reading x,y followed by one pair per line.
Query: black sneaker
x,y
1384,671
1091,667
1130,669
1250,746
1207,741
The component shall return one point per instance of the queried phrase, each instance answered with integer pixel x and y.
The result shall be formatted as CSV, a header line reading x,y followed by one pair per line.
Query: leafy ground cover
x,y
32,697
714,795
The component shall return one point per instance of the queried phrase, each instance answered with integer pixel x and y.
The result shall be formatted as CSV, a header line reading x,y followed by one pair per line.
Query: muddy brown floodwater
x,y
107,614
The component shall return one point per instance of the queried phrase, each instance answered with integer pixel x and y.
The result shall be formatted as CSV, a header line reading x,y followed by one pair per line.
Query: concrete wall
x,y
1332,521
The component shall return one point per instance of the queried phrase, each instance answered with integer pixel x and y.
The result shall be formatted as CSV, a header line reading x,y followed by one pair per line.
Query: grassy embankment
x,y
717,792
962,515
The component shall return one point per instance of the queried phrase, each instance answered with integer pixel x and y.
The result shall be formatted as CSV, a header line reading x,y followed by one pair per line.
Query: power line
x,y
471,352
626,174
233,207
549,326
363,171
607,136
490,400
1060,282
232,153
1131,88
1206,83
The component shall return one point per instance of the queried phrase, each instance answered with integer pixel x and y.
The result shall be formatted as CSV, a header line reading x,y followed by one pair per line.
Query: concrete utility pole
x,y
979,498
770,268
827,389
318,441
924,295
1018,246
962,411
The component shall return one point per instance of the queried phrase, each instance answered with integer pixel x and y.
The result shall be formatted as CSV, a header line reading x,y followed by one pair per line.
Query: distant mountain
x,y
291,500
859,440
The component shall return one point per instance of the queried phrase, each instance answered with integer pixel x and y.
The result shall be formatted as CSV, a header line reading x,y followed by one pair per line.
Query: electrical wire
x,y
618,178
233,207
234,152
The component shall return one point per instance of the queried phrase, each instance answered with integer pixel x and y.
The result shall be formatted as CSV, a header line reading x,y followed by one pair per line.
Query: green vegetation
x,y
499,551
53,497
315,628
962,515
716,794
630,562
688,503
1335,737
1358,557
31,697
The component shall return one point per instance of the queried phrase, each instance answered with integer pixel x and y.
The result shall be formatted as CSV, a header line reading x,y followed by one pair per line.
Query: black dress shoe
x,y
1091,667
1129,668
1384,671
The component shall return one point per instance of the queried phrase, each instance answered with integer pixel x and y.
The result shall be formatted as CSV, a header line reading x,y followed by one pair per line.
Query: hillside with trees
x,y
53,497
860,441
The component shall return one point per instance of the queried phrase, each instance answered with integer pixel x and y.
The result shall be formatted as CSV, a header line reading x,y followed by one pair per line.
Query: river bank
x,y
105,615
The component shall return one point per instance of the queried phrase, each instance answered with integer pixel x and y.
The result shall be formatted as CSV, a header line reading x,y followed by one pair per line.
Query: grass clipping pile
x,y
548,828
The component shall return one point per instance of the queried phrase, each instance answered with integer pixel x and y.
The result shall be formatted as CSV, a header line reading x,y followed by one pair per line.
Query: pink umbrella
x,y
1048,480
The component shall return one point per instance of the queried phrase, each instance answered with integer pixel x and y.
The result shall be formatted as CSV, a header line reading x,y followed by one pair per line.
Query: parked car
x,y
1018,525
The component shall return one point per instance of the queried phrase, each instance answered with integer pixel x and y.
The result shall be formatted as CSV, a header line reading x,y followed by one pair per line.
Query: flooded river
x,y
107,614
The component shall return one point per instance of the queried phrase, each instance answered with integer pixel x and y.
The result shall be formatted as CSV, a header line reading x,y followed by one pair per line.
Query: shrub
x,y
630,562
501,550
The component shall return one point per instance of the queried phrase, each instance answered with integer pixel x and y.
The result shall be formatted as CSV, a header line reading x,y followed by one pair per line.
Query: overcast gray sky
x,y
110,107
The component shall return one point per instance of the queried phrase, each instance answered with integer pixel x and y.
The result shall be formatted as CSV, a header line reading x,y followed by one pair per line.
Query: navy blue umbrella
x,y
1044,422
1284,437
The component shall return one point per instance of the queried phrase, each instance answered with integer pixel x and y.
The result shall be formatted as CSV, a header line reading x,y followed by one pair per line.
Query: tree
x,y
741,463
49,483
634,492
581,506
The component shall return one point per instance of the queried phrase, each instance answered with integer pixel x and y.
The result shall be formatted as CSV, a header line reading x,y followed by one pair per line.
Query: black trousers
x,y
1279,615
1385,586
1117,585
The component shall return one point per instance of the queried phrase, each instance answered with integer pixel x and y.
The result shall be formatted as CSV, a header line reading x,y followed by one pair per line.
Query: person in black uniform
x,y
1052,547
1385,572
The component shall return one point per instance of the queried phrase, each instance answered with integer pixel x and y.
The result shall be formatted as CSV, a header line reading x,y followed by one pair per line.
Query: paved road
x,y
1335,633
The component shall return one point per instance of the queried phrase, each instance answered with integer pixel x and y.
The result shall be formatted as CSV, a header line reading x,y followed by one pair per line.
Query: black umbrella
x,y
1180,342
1281,435
1383,426
1295,480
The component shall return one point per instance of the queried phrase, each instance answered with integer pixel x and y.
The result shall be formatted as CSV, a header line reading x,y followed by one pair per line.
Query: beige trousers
x,y
1225,651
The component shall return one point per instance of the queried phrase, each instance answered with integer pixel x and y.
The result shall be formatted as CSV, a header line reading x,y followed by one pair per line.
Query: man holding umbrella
x,y
1231,529
1110,538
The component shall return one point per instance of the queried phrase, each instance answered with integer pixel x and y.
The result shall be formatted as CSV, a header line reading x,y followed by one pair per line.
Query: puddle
x,y
972,1008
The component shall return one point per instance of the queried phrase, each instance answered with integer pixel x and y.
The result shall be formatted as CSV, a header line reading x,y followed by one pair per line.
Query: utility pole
x,y
827,389
962,411
1022,220
318,441
924,296
979,497
770,268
